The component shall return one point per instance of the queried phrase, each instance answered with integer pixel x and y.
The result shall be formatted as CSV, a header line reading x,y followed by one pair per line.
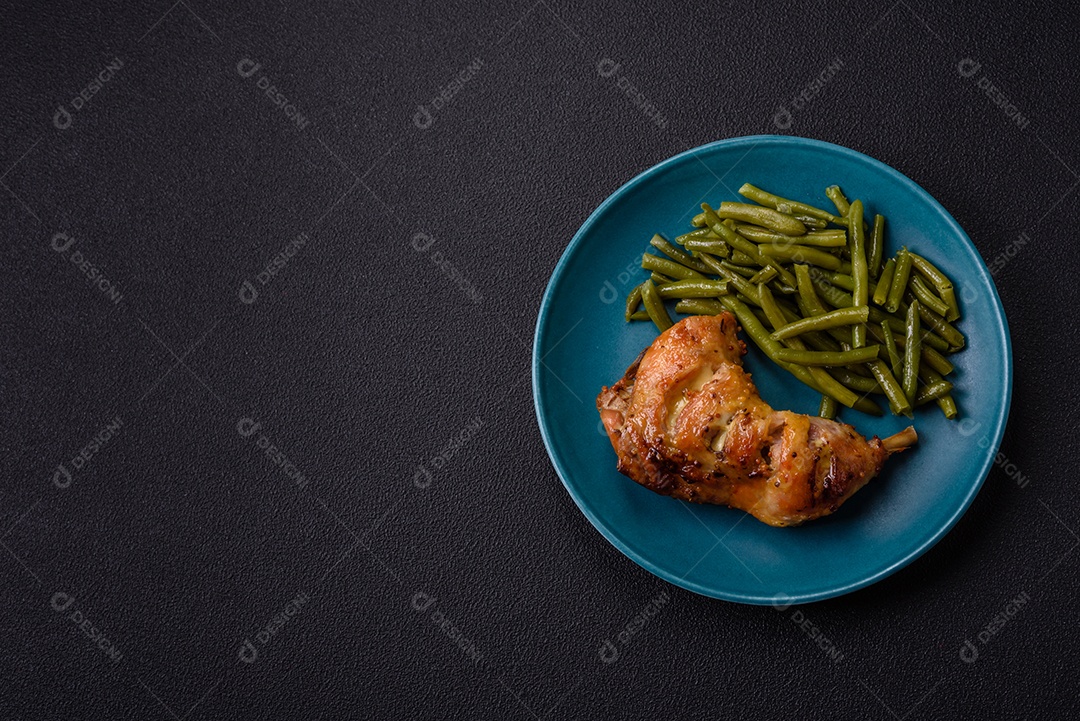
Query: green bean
x,y
858,335
933,391
900,280
881,292
822,381
942,327
940,281
808,220
737,242
839,299
827,408
768,199
745,271
927,297
817,340
791,311
723,230
948,407
741,284
899,325
716,246
800,254
760,235
633,301
813,225
840,280
780,269
773,313
699,306
855,381
931,272
945,401
654,306
842,336
825,358
837,197
929,356
811,308
935,360
764,275
784,281
833,238
700,234
876,247
832,319
758,313
693,288
779,286
862,403
677,254
807,310
912,352
830,293
861,370
759,215
806,291
895,364
949,296
860,294
928,375
893,391
751,325
668,267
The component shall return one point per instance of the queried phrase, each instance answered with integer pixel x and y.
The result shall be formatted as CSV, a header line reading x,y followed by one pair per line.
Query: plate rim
x,y
610,534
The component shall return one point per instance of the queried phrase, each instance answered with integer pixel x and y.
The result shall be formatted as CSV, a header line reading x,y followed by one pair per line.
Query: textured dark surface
x,y
180,539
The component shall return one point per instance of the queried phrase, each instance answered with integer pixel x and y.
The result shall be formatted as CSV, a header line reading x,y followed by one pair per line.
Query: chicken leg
x,y
686,421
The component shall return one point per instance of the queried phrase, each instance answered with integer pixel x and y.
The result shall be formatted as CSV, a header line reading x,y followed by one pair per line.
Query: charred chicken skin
x,y
686,421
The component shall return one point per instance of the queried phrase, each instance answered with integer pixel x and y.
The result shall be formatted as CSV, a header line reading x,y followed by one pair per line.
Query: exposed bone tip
x,y
899,441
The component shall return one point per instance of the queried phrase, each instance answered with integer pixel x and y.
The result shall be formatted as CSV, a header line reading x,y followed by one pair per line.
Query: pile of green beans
x,y
823,303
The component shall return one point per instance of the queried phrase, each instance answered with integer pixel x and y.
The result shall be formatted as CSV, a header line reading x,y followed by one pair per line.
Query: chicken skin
x,y
686,421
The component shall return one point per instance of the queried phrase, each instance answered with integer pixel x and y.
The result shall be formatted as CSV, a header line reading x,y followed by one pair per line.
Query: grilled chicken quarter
x,y
686,421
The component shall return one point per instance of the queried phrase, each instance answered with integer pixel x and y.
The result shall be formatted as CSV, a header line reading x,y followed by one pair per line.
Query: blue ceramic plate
x,y
582,343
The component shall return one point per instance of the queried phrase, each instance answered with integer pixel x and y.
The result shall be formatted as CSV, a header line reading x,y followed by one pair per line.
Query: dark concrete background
x,y
181,571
